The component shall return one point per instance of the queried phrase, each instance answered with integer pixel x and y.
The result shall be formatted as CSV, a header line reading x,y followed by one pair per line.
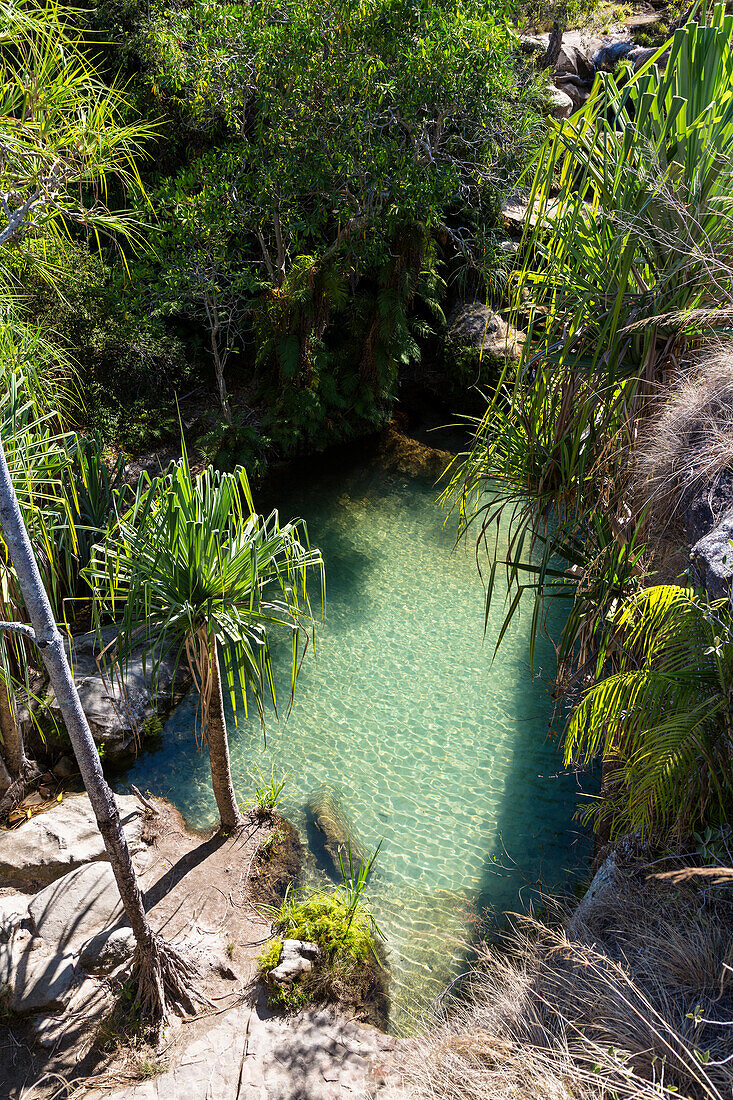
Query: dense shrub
x,y
337,163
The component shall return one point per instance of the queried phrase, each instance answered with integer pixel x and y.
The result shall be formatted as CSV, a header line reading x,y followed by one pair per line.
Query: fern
x,y
662,723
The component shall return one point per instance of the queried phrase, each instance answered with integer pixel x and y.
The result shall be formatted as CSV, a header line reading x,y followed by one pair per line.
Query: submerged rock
x,y
60,839
326,813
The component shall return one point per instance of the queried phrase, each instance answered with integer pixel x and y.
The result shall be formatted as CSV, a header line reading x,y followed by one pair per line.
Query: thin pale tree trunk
x,y
50,643
160,972
212,314
216,731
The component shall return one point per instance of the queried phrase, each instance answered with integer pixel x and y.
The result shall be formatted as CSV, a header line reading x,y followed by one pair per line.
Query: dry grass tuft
x,y
607,1013
684,454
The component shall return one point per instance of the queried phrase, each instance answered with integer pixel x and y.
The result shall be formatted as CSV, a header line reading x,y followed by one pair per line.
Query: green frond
x,y
662,723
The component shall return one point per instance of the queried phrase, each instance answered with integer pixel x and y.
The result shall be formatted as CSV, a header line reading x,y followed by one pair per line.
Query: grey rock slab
x,y
43,982
13,911
712,558
77,907
107,950
250,1056
39,978
60,839
75,1028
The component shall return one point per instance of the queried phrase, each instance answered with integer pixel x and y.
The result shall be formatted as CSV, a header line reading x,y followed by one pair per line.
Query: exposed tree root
x,y
163,979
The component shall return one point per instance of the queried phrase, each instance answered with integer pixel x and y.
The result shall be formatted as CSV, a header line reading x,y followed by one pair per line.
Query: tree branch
x,y
24,629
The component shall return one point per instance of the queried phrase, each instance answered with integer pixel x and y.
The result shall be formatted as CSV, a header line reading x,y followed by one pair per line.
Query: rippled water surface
x,y
432,747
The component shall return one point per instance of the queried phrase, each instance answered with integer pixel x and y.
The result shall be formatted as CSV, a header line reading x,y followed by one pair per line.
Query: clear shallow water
x,y
434,748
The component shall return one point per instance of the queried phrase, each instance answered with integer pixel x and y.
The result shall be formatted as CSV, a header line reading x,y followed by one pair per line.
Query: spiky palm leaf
x,y
192,559
63,134
631,197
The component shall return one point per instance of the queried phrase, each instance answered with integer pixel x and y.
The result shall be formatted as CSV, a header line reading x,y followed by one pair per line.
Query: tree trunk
x,y
220,383
5,781
158,969
13,748
51,646
212,315
18,772
554,45
602,836
216,731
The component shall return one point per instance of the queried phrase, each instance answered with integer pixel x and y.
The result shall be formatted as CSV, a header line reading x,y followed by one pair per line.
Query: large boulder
x,y
119,702
475,325
561,105
575,60
106,950
576,91
60,839
76,923
82,904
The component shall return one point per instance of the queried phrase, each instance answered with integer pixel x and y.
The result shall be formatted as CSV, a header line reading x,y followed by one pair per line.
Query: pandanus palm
x,y
195,571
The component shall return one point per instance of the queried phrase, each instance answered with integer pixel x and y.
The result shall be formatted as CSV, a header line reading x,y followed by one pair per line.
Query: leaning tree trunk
x,y
216,731
155,962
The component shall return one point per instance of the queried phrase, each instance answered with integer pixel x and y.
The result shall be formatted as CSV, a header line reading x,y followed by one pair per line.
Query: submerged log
x,y
326,814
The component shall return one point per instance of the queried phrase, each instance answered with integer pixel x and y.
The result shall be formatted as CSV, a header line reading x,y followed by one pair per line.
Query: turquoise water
x,y
434,749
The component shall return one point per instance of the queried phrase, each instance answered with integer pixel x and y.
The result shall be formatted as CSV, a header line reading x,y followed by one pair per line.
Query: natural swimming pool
x,y
432,747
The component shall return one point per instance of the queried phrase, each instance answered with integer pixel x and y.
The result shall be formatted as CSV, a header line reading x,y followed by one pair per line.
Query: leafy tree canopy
x,y
336,153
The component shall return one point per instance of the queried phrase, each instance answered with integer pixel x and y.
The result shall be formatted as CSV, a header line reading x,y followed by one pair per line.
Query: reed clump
x,y
684,460
636,1002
